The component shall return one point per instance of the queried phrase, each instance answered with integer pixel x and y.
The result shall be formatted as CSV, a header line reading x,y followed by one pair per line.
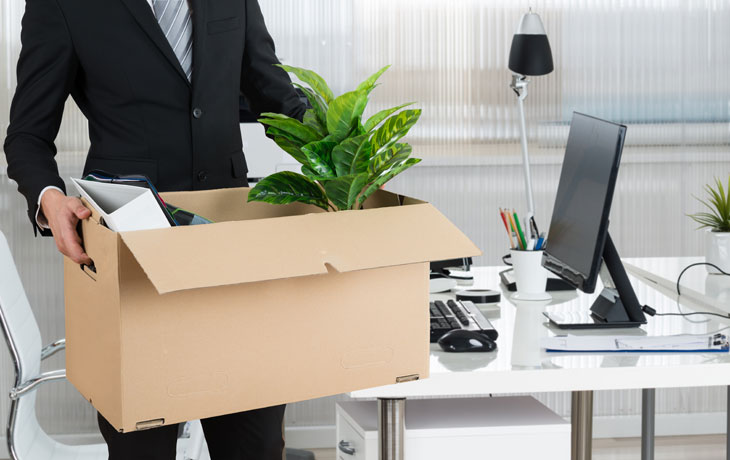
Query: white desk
x,y
520,366
711,291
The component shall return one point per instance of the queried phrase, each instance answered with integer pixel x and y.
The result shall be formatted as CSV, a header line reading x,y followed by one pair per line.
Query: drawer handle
x,y
346,448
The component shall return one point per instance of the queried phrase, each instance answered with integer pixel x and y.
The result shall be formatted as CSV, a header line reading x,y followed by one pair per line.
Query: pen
x,y
514,229
506,226
539,243
533,227
531,245
519,230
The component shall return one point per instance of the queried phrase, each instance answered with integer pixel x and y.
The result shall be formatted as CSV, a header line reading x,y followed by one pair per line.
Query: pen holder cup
x,y
530,276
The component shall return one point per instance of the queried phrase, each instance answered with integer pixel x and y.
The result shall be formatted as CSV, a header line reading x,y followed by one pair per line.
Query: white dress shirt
x,y
40,219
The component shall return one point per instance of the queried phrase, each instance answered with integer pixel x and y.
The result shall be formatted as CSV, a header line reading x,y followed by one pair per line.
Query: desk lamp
x,y
530,55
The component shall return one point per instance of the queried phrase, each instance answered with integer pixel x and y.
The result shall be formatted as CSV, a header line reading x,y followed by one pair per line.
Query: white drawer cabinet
x,y
505,428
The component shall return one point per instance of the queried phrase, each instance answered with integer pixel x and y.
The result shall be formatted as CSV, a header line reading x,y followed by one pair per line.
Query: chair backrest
x,y
26,439
16,318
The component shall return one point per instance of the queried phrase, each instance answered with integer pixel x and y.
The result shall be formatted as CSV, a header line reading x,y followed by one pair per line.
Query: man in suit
x,y
159,82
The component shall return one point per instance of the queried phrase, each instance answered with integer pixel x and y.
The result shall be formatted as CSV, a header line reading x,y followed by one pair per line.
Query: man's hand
x,y
62,214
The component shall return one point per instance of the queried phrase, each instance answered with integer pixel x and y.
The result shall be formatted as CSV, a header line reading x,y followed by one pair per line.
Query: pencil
x,y
519,230
514,229
506,226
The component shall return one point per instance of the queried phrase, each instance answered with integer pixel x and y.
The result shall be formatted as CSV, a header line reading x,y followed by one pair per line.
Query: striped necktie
x,y
176,23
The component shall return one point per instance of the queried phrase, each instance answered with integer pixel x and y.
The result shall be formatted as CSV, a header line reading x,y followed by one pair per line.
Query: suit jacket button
x,y
197,113
202,176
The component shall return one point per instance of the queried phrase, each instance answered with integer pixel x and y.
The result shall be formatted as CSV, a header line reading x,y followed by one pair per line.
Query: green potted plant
x,y
717,221
344,158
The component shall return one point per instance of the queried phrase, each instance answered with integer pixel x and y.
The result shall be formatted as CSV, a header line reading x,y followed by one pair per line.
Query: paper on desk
x,y
124,208
673,343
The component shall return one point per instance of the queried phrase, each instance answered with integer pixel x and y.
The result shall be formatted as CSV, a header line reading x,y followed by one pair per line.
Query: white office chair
x,y
26,439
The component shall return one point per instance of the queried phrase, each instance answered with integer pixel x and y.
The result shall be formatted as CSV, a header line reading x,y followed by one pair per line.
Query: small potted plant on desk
x,y
717,221
344,158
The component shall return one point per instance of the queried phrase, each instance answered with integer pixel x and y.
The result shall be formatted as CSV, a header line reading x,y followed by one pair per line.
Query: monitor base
x,y
596,320
566,322
616,307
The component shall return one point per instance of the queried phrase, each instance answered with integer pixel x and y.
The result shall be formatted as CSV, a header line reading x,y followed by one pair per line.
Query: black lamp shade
x,y
530,53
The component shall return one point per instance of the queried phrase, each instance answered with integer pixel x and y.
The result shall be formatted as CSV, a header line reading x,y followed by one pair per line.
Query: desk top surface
x,y
520,366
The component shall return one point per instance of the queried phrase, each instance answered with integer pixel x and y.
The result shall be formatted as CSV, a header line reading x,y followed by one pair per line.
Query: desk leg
x,y
648,401
391,428
581,421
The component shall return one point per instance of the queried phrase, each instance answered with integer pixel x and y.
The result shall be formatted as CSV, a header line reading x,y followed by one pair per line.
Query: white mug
x,y
530,276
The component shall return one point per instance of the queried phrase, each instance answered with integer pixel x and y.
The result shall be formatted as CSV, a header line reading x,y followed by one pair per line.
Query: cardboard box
x,y
269,305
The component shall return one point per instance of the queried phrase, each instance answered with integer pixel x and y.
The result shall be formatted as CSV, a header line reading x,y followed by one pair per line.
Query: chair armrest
x,y
30,385
53,348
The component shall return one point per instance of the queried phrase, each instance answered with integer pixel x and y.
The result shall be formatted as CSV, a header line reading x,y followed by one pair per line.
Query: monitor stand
x,y
616,307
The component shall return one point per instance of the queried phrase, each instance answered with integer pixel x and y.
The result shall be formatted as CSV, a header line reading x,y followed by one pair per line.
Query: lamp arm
x,y
519,86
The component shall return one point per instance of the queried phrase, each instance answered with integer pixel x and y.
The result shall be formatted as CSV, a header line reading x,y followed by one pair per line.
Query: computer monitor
x,y
579,244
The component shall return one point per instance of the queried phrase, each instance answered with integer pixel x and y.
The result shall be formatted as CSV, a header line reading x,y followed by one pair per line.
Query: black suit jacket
x,y
144,116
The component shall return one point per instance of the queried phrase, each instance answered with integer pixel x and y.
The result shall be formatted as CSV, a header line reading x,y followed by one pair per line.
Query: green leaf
x,y
394,128
291,148
369,84
312,79
318,104
344,112
344,190
319,157
718,205
385,160
313,175
357,129
276,132
382,180
287,187
311,120
289,125
378,118
345,156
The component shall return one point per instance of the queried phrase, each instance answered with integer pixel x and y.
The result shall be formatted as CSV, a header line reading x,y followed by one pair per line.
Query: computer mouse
x,y
459,340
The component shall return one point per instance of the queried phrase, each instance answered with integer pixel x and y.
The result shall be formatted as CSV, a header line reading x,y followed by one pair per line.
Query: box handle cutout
x,y
89,270
407,378
331,270
149,424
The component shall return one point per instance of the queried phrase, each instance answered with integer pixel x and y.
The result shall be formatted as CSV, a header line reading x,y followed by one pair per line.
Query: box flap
x,y
284,247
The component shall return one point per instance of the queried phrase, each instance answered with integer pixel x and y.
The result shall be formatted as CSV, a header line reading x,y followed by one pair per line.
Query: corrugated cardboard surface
x,y
93,321
187,323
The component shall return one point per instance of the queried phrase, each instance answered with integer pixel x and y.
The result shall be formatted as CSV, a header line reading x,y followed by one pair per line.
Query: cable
x,y
684,314
652,312
696,265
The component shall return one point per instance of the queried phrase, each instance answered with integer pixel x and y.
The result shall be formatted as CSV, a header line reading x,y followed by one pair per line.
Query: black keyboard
x,y
453,314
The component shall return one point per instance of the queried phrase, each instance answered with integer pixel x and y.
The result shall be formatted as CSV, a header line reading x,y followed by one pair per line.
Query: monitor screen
x,y
579,224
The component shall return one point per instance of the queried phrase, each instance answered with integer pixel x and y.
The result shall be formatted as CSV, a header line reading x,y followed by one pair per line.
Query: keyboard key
x,y
458,312
445,312
435,313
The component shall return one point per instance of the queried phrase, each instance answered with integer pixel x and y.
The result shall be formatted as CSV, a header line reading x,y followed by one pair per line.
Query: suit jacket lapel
x,y
142,12
199,35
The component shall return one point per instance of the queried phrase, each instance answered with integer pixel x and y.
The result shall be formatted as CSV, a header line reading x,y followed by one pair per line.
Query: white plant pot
x,y
718,251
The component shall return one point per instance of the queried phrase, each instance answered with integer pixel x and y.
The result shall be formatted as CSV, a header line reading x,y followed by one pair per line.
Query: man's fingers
x,y
79,210
71,242
62,219
75,252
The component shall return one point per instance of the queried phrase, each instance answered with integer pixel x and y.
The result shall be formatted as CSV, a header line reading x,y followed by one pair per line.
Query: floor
x,y
667,448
